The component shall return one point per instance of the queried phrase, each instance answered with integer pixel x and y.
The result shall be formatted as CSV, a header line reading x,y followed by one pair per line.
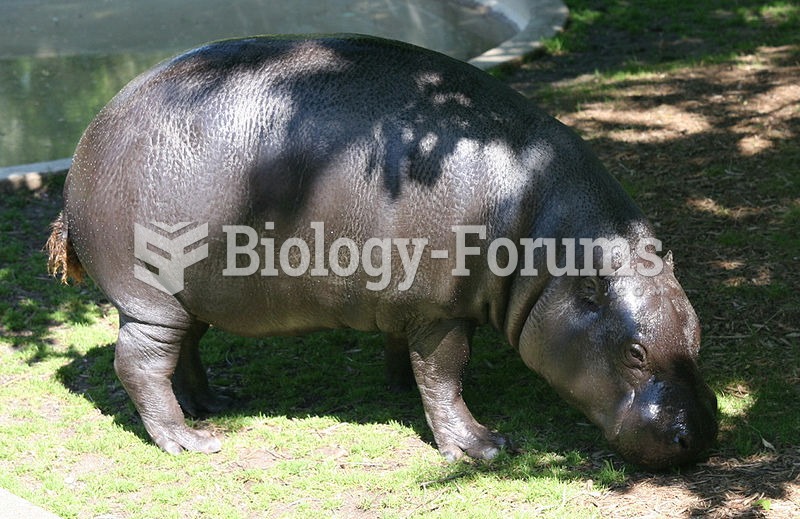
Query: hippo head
x,y
622,349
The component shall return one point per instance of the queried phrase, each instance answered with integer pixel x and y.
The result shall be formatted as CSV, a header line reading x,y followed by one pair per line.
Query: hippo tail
x,y
61,255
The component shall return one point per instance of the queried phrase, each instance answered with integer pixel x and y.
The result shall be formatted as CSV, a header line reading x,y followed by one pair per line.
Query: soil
x,y
738,118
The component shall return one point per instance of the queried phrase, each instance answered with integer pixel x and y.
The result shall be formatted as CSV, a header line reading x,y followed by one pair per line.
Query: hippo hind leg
x,y
189,382
145,359
439,355
399,374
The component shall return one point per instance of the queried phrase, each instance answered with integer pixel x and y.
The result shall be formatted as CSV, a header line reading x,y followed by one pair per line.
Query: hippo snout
x,y
668,424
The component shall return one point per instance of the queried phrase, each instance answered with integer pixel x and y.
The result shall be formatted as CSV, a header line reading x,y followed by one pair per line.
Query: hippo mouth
x,y
667,424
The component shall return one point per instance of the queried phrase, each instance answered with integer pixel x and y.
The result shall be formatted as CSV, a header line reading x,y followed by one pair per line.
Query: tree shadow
x,y
340,373
33,307
616,36
337,373
729,215
710,153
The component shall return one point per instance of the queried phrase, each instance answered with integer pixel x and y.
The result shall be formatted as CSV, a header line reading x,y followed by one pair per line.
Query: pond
x,y
62,60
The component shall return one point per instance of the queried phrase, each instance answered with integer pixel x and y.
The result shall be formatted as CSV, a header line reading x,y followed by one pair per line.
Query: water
x,y
62,60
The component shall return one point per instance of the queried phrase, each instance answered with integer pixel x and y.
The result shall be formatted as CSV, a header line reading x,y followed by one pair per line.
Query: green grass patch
x,y
314,432
683,33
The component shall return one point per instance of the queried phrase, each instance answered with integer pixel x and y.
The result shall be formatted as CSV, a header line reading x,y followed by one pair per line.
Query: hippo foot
x,y
486,446
146,378
177,439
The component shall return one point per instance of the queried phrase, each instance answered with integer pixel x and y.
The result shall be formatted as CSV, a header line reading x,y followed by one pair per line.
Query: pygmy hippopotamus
x,y
279,185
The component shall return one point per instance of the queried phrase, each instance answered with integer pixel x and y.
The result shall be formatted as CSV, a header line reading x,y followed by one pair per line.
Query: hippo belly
x,y
280,185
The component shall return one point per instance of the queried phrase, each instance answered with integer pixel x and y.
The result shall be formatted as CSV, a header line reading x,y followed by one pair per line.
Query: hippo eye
x,y
636,355
593,292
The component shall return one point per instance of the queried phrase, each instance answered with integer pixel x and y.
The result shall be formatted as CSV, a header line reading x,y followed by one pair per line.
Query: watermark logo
x,y
169,252
165,253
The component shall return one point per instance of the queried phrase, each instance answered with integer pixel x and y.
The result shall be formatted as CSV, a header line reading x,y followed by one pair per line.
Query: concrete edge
x,y
537,19
31,176
13,506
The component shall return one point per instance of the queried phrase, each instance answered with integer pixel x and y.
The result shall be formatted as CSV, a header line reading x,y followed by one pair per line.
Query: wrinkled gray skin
x,y
377,139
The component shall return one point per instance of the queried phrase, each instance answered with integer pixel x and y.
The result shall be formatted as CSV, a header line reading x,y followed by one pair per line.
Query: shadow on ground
x,y
341,374
710,152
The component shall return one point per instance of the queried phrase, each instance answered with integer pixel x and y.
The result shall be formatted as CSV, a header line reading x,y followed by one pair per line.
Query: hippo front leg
x,y
439,356
145,359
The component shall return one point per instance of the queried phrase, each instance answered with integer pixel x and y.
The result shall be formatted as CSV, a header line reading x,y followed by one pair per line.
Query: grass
x,y
703,134
724,27
690,106
314,432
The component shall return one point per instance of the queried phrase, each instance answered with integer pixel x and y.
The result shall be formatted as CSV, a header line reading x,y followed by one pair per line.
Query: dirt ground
x,y
739,117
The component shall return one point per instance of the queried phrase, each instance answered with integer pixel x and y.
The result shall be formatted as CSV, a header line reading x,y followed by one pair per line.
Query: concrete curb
x,y
12,506
30,176
536,19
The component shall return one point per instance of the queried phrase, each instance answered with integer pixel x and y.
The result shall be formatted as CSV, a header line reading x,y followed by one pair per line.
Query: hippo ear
x,y
668,258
